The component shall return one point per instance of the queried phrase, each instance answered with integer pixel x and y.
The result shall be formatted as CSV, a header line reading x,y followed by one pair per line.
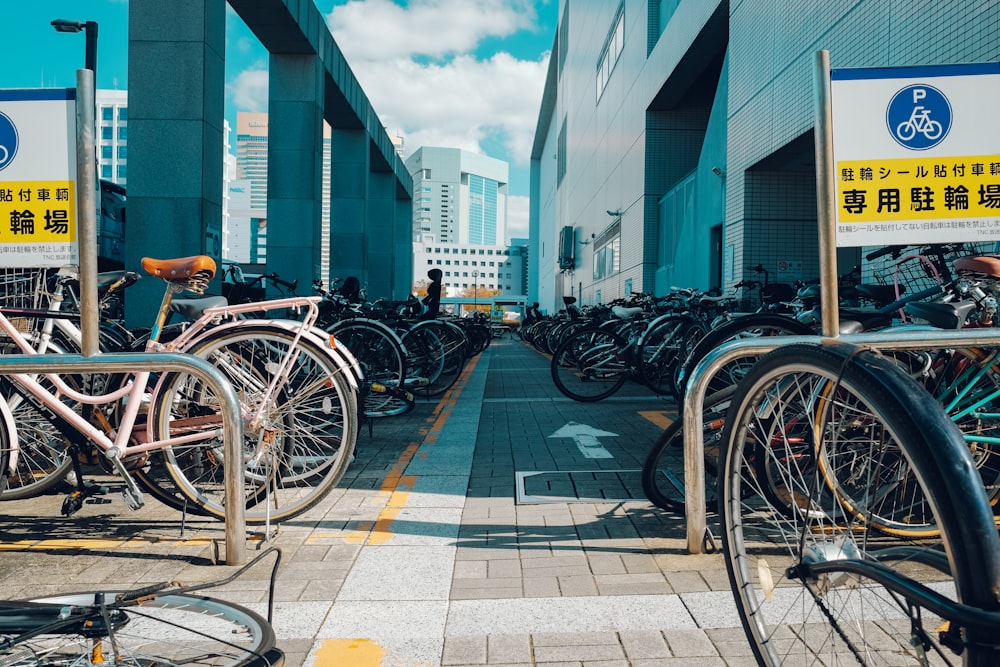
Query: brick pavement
x,y
465,533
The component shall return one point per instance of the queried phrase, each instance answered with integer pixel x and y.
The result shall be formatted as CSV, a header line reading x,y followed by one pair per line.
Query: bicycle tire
x,y
752,325
663,469
847,618
420,342
662,347
590,364
379,352
171,629
294,456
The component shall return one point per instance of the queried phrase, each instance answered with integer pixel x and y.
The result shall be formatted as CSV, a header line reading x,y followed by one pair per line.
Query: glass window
x,y
107,113
123,132
105,171
122,174
122,152
122,113
105,152
107,133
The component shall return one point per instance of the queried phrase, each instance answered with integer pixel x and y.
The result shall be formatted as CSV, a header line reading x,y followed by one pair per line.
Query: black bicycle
x,y
163,624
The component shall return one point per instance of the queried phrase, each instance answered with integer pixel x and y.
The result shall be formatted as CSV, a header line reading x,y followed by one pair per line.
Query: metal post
x,y
232,421
826,199
86,211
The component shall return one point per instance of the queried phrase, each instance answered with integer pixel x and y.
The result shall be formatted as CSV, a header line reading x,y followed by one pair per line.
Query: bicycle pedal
x,y
132,501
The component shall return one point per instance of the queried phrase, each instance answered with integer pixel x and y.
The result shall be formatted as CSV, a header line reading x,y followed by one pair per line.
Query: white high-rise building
x,y
112,135
458,197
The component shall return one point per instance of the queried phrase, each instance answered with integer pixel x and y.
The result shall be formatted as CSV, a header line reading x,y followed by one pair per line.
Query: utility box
x,y
567,248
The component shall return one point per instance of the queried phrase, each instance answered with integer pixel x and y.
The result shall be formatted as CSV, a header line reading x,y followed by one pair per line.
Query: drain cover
x,y
577,486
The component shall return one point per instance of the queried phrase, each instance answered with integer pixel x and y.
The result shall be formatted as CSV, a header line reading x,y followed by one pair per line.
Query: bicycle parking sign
x,y
917,154
38,225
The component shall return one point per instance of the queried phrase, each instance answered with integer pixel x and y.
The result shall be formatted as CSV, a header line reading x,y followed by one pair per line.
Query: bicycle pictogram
x,y
919,117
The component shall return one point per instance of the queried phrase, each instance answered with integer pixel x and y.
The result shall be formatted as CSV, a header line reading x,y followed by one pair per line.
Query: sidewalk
x,y
502,525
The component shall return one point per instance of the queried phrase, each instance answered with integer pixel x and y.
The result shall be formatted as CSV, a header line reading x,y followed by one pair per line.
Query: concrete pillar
x,y
379,234
294,168
176,84
348,193
402,253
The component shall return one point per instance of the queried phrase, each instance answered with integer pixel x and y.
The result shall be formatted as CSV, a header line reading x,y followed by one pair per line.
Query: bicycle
x,y
297,400
161,624
831,454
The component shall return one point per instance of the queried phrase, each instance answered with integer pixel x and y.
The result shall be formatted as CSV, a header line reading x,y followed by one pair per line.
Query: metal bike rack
x,y
92,359
694,443
125,362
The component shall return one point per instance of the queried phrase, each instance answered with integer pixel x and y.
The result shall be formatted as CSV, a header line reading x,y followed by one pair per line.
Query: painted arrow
x,y
586,438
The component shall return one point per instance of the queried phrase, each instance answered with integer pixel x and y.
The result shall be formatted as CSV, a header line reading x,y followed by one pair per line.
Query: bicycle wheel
x,y
440,348
910,452
590,364
663,469
294,453
754,325
173,629
380,354
663,346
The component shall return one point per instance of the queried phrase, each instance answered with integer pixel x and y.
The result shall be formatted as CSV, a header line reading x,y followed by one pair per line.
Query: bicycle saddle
x,y
625,313
180,269
983,265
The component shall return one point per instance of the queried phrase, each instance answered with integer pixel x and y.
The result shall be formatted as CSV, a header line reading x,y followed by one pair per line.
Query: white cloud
x,y
517,217
381,29
248,89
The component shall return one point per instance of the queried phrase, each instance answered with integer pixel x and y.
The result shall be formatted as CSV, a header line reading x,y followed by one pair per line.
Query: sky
x,y
454,73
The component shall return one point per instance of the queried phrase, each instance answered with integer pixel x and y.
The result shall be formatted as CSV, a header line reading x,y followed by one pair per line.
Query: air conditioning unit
x,y
567,248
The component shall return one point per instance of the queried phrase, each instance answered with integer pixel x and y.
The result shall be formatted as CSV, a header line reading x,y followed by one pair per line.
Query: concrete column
x,y
176,84
379,232
403,248
294,168
348,203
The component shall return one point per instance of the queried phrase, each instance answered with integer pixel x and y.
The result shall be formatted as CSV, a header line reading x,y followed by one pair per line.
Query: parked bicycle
x,y
297,401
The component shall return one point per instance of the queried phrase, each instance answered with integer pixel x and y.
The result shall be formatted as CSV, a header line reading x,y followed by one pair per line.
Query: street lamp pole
x,y
89,29
475,290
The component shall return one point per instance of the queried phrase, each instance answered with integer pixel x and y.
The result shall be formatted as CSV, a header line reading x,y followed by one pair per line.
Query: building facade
x,y
458,197
675,141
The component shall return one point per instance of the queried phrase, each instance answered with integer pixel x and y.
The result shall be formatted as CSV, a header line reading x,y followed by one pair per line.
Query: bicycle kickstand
x,y
84,489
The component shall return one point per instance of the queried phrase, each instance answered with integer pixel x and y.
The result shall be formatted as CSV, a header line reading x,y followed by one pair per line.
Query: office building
x,y
675,141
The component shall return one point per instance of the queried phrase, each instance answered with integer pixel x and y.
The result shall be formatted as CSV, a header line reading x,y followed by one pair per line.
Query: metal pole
x,y
90,57
232,421
826,199
86,210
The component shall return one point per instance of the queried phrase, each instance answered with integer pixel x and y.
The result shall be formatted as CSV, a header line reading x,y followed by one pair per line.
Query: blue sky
x,y
461,73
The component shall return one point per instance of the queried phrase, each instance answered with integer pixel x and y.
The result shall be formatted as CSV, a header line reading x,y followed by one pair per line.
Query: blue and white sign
x,y
917,154
8,140
919,117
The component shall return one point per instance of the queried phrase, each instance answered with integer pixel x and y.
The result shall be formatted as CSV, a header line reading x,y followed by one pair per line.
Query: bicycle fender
x,y
8,420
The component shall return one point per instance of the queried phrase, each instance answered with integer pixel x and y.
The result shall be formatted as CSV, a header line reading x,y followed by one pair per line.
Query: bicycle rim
x,y
590,365
840,618
379,352
663,469
167,630
292,456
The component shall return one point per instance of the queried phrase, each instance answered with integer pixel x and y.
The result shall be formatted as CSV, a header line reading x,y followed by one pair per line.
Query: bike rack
x,y
694,443
126,362
93,360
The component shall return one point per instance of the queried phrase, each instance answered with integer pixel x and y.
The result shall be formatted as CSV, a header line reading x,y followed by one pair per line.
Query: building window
x,y
122,113
613,45
107,133
122,173
123,132
607,252
105,152
105,171
107,113
122,152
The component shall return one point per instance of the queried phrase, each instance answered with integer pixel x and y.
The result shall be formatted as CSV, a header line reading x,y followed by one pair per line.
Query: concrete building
x,y
458,196
675,143
112,135
468,266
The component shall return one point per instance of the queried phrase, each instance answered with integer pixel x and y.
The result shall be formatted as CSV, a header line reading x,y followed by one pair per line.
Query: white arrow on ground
x,y
586,438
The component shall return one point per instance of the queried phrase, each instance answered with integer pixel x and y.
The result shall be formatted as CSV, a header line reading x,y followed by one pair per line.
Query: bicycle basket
x,y
22,289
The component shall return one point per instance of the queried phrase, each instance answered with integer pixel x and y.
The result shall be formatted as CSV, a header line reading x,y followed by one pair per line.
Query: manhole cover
x,y
577,486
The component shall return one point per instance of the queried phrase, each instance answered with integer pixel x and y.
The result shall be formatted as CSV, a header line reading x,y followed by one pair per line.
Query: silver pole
x,y
86,210
826,199
232,420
